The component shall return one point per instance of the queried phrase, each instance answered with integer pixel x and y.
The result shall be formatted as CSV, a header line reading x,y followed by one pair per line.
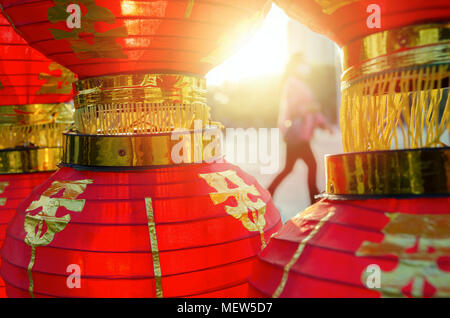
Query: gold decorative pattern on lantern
x,y
3,185
418,240
394,89
154,247
392,172
245,206
409,46
37,235
414,111
61,84
140,103
104,43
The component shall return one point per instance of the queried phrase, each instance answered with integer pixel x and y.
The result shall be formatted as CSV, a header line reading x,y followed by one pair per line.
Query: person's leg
x,y
291,158
308,157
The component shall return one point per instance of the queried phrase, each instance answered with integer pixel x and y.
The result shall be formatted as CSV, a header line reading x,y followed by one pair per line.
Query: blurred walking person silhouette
x,y
299,117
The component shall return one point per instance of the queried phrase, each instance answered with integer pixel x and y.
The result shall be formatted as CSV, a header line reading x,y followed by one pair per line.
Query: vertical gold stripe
x,y
263,241
32,260
261,230
189,7
297,254
154,246
30,273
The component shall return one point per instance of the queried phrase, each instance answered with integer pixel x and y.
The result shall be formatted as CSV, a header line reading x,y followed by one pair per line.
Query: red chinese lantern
x,y
377,236
144,206
382,227
394,56
14,188
33,90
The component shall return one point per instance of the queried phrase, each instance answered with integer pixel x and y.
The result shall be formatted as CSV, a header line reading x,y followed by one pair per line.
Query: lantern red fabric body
x,y
14,188
24,71
173,231
137,36
202,250
328,249
345,21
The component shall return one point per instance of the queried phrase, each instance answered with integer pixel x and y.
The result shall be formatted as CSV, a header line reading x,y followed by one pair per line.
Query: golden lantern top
x,y
396,57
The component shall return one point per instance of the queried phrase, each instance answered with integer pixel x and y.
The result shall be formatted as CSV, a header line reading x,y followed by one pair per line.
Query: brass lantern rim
x,y
140,103
29,160
406,172
400,49
141,151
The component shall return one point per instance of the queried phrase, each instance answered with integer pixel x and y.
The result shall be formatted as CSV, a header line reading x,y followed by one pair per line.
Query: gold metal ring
x,y
36,114
27,160
139,103
142,150
392,172
411,46
33,136
140,88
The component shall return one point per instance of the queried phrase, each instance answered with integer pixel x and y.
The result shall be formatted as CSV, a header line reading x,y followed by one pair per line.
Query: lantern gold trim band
x,y
34,125
27,160
411,46
139,103
394,172
395,89
46,135
36,114
142,150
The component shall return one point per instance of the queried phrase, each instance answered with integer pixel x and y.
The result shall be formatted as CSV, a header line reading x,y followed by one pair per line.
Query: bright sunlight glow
x,y
265,53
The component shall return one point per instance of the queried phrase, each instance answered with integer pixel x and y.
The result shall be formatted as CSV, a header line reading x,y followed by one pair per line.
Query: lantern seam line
x,y
298,253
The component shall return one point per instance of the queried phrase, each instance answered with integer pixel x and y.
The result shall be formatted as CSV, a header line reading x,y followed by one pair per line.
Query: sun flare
x,y
265,53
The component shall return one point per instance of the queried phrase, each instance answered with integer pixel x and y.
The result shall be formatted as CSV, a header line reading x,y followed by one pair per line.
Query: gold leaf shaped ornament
x,y
104,44
49,206
418,241
218,180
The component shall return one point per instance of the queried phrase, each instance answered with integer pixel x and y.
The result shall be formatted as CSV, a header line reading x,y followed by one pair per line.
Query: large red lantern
x,y
139,234
383,233
26,76
144,205
382,227
14,188
33,115
395,68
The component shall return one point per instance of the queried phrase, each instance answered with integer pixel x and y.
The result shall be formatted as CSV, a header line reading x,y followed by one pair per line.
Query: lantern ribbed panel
x,y
23,71
344,21
326,250
137,36
174,231
202,250
15,188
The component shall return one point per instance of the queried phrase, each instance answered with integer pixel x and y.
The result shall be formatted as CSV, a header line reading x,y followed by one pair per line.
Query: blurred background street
x,y
245,92
292,196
